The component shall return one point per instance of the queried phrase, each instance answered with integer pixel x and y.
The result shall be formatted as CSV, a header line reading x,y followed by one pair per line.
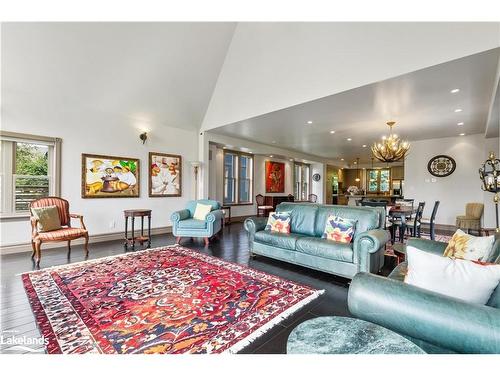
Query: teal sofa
x,y
437,323
305,247
184,225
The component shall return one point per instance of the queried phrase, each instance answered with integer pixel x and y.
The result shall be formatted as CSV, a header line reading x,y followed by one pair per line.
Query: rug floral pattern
x,y
164,300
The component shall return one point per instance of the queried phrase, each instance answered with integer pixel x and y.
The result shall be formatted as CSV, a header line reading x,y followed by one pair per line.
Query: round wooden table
x,y
142,213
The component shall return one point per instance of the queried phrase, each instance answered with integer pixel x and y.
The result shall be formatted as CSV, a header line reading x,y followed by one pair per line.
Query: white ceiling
x,y
420,102
157,73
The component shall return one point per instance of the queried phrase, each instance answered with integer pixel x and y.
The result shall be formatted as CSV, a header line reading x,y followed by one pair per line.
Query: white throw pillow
x,y
201,211
466,246
463,279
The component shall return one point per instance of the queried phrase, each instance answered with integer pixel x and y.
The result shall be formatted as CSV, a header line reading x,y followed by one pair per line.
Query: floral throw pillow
x,y
339,229
278,222
465,246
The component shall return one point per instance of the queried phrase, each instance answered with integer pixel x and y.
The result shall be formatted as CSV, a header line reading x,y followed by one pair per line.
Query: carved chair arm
x,y
77,216
34,226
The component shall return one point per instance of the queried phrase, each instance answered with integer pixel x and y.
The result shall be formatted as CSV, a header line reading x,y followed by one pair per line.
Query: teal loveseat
x,y
437,323
305,247
184,225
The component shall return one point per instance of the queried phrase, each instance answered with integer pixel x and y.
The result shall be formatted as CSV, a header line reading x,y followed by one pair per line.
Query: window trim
x,y
238,154
55,165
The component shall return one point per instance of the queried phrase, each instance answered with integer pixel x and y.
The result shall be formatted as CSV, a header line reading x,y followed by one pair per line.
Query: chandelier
x,y
392,148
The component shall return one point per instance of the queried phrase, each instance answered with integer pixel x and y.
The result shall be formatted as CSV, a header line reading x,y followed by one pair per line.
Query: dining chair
x,y
431,221
472,218
261,207
413,224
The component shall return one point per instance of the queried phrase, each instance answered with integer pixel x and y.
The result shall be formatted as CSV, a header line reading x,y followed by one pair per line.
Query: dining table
x,y
401,212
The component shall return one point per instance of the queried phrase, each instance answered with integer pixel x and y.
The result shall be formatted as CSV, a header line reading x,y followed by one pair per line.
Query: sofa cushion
x,y
48,218
339,229
367,217
325,249
282,240
278,222
192,224
303,217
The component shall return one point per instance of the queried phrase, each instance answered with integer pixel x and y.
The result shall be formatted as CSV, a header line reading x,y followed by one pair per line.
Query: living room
x,y
236,187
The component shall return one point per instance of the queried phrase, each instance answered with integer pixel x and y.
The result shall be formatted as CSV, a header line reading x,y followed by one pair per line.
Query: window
x,y
302,178
29,170
378,180
238,175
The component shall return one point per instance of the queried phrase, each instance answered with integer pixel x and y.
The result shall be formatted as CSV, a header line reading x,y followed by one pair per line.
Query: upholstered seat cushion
x,y
61,234
282,240
192,224
466,222
325,248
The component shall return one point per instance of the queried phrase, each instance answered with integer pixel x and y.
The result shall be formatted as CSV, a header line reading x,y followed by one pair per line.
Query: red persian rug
x,y
163,300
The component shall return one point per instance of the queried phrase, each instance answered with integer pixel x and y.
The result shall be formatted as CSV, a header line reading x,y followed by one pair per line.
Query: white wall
x,y
454,191
285,64
90,131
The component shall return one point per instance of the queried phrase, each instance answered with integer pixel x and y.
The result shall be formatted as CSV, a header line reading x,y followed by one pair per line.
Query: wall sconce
x,y
143,137
196,165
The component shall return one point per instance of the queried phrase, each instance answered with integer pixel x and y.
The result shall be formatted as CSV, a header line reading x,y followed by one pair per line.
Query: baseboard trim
x,y
104,237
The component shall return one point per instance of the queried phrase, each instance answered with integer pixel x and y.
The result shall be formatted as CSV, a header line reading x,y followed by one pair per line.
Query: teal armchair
x,y
184,225
437,323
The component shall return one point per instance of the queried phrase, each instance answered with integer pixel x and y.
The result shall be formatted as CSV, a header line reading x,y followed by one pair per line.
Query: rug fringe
x,y
90,261
273,322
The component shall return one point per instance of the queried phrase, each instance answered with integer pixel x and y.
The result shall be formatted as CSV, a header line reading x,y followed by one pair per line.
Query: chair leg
x,y
178,240
206,241
38,251
86,244
69,246
34,249
433,235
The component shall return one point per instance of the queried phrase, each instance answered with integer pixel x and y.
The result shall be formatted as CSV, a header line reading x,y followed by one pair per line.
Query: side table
x,y
228,209
132,214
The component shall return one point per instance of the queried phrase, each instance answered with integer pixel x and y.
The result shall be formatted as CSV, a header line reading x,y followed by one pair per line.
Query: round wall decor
x,y
441,166
316,177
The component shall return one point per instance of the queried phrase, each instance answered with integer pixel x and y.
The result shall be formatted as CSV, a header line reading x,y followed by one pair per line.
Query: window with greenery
x,y
238,178
302,178
28,171
378,180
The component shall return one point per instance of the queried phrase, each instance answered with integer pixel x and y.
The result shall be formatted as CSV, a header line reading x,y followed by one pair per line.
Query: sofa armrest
x,y
254,224
180,215
367,243
440,320
429,246
214,215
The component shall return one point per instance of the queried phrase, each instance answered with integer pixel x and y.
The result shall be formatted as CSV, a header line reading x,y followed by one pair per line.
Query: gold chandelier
x,y
392,148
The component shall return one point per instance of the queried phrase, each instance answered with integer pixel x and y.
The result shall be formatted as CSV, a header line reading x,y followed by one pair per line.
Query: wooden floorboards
x,y
231,245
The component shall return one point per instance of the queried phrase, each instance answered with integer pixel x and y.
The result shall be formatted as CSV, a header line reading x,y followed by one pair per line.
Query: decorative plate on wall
x,y
316,177
441,166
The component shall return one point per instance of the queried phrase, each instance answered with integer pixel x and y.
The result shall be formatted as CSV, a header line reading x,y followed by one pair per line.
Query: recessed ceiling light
x,y
460,123
364,145
349,139
291,159
273,142
332,131
224,147
458,110
270,156
250,152
309,122
454,91
342,159
462,134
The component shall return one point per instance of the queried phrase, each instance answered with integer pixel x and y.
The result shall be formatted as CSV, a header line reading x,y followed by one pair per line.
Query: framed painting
x,y
275,177
106,176
165,175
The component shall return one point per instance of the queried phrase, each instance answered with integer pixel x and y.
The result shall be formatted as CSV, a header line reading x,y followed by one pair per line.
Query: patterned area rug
x,y
163,300
439,237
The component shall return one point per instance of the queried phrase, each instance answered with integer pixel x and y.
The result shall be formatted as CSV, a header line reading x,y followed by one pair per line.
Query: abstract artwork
x,y
165,300
275,177
165,175
109,177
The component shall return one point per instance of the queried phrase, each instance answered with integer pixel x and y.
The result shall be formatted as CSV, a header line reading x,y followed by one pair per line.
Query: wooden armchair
x,y
66,233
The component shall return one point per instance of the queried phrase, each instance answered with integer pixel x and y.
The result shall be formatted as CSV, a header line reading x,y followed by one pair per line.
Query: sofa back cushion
x,y
191,205
303,217
366,218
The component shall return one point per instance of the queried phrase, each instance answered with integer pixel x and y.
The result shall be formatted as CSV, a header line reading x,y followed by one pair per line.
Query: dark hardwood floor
x,y
232,245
